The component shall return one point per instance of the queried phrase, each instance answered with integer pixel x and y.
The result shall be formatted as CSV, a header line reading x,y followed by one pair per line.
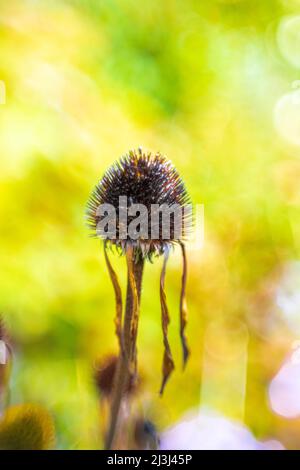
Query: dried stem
x,y
127,359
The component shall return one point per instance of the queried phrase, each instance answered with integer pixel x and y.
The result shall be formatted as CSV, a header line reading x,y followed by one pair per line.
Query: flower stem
x,y
127,360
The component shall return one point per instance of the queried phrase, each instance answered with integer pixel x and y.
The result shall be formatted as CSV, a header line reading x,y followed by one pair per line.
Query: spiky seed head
x,y
143,178
104,373
27,427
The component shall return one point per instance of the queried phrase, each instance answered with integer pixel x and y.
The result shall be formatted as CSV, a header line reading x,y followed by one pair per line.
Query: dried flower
x,y
149,185
104,374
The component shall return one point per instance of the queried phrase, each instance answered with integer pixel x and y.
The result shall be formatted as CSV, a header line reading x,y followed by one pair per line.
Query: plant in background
x,y
146,184
5,365
104,374
26,427
145,435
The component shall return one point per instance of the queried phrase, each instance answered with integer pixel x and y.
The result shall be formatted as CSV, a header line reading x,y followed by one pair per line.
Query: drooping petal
x,y
118,297
183,308
168,363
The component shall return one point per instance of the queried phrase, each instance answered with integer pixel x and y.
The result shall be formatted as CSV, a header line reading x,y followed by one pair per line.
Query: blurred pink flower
x,y
284,390
209,430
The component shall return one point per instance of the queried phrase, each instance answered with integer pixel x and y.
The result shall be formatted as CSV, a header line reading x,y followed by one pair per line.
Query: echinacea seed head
x,y
104,374
26,427
142,208
149,180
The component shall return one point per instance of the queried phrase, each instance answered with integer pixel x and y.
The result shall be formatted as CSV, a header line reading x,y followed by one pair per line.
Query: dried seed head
x,y
26,427
146,187
147,179
104,374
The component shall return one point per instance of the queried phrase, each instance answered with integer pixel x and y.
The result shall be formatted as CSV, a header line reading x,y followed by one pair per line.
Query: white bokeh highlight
x,y
287,117
288,39
208,430
284,390
288,296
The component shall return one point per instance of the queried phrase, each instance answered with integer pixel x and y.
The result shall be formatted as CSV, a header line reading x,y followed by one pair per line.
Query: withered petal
x,y
168,363
183,308
118,297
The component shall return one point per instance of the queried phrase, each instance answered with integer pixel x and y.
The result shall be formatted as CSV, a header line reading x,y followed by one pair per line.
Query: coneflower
x,y
152,182
104,373
27,427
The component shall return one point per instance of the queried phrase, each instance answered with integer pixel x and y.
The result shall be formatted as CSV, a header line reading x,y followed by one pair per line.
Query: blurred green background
x,y
213,85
